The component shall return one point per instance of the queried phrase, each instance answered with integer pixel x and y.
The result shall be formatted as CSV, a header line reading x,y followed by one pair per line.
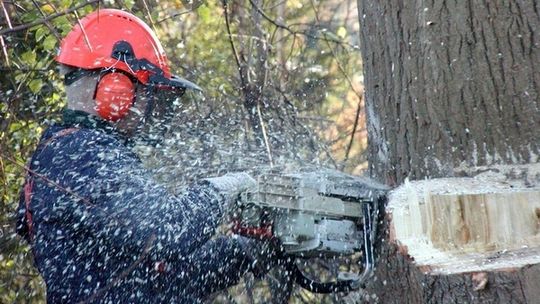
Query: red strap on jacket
x,y
28,186
28,214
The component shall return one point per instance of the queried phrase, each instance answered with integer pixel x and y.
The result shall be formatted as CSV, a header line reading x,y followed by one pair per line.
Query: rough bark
x,y
449,85
399,281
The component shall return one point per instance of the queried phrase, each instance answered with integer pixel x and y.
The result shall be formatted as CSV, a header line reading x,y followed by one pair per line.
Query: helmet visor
x,y
159,108
176,82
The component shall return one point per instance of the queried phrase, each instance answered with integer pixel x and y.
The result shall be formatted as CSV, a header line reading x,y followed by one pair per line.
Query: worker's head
x,y
114,67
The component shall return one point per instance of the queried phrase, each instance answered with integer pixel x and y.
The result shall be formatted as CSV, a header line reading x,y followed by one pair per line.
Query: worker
x,y
100,228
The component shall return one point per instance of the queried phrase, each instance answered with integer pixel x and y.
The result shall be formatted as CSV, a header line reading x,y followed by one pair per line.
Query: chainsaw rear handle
x,y
320,287
347,285
370,210
297,275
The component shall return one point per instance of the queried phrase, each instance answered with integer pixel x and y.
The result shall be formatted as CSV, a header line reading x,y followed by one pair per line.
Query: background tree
x,y
449,86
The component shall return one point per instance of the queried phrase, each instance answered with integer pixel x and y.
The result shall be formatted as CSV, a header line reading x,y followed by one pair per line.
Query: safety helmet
x,y
111,38
117,41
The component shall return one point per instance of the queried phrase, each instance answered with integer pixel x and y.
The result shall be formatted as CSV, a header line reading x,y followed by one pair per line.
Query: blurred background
x,y
282,87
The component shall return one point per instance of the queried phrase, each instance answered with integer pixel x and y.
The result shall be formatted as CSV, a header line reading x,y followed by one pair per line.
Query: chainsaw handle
x,y
319,287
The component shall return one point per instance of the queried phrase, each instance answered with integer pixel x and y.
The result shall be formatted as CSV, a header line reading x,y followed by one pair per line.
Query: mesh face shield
x,y
162,105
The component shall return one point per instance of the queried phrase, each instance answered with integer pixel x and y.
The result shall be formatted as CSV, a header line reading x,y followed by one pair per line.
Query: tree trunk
x,y
451,86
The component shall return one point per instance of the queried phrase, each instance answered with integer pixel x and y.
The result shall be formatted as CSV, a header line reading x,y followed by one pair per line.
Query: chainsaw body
x,y
321,213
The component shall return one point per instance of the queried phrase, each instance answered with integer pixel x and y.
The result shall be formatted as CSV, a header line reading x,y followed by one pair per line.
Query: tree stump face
x,y
456,225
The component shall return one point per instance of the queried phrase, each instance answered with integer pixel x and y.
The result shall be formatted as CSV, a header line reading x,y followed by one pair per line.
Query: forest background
x,y
282,88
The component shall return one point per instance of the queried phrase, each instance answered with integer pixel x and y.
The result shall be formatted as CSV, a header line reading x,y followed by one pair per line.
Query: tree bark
x,y
450,83
449,86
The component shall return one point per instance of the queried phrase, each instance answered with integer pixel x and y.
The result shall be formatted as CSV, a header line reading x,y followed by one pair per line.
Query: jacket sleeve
x,y
218,264
222,262
120,205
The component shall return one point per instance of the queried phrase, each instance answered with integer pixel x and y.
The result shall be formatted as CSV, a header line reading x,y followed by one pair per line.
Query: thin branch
x,y
50,17
174,16
340,66
250,37
6,14
262,47
2,42
355,126
4,49
290,30
275,4
149,15
349,81
265,16
68,17
83,30
47,23
21,84
265,137
231,41
16,5
21,69
4,180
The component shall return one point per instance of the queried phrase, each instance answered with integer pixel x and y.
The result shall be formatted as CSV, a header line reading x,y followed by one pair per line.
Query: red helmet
x,y
110,38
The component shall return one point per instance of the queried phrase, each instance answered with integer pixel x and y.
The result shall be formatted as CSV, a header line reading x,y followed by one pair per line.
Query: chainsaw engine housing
x,y
313,214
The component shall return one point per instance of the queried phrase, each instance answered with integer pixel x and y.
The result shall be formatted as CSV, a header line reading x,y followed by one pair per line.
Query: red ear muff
x,y
114,96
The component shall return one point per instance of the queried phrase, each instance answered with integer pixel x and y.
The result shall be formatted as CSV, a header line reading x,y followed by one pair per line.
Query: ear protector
x,y
114,95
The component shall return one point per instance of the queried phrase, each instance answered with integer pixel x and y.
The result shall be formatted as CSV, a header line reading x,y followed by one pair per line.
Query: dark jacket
x,y
103,231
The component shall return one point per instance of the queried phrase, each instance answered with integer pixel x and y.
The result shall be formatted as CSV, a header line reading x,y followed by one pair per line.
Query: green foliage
x,y
305,77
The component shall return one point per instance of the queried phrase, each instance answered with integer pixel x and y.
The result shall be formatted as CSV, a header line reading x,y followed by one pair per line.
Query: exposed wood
x,y
481,222
459,225
461,240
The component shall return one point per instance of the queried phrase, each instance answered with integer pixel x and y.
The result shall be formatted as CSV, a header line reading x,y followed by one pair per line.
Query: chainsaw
x,y
322,213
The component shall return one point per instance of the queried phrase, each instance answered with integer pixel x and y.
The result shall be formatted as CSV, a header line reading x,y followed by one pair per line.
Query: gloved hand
x,y
231,185
263,254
